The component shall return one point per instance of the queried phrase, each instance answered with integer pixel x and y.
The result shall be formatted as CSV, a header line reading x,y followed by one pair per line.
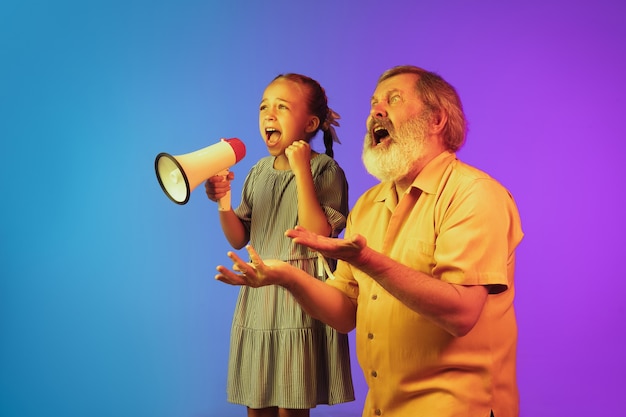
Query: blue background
x,y
108,306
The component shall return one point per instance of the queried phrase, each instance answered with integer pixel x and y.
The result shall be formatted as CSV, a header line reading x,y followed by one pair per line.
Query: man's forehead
x,y
400,82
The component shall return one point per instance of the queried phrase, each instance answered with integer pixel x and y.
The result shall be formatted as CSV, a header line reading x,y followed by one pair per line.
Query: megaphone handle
x,y
223,204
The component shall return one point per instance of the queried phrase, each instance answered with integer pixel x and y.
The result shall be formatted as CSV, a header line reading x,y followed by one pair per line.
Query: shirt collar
x,y
427,180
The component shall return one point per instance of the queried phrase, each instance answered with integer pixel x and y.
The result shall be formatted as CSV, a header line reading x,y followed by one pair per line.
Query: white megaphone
x,y
179,175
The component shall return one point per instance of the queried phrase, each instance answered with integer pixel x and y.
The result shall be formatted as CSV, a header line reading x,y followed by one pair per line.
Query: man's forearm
x,y
321,301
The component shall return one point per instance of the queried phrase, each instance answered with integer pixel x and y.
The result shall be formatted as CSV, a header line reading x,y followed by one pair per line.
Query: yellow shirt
x,y
460,226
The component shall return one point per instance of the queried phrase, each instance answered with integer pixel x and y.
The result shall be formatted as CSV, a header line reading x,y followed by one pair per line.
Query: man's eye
x,y
394,99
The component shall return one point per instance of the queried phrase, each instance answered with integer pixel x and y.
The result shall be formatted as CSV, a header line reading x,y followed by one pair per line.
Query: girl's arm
x,y
233,228
310,212
236,234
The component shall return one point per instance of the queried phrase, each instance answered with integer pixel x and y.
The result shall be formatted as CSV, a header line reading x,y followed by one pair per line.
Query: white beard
x,y
397,159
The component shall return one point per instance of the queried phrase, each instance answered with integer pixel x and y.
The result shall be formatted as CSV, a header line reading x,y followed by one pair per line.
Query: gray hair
x,y
438,97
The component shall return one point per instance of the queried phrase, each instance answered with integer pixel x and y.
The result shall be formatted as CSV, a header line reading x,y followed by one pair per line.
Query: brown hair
x,y
438,97
317,105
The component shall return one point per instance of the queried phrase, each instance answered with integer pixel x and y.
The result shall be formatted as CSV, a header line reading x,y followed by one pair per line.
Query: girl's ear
x,y
312,124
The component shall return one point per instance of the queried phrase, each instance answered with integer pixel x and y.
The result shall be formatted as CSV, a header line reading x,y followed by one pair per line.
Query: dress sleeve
x,y
332,192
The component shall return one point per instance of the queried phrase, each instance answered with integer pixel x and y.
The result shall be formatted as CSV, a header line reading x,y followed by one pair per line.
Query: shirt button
x,y
374,374
378,412
370,335
374,297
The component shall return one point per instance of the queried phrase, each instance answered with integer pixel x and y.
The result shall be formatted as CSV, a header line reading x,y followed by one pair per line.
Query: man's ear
x,y
438,122
312,125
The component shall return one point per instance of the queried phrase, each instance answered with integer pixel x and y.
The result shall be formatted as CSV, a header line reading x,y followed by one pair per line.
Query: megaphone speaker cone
x,y
181,174
172,178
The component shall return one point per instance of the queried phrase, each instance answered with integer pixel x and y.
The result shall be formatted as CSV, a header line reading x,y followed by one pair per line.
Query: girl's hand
x,y
299,156
218,186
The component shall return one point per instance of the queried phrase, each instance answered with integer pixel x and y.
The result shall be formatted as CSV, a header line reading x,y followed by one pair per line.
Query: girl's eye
x,y
263,107
282,107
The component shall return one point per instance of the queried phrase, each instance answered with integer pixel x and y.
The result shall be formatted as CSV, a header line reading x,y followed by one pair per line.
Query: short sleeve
x,y
332,192
478,235
344,281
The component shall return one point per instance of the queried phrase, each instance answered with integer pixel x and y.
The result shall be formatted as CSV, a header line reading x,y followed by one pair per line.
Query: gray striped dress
x,y
279,356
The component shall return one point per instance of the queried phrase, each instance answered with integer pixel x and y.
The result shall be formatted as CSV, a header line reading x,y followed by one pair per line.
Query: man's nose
x,y
378,111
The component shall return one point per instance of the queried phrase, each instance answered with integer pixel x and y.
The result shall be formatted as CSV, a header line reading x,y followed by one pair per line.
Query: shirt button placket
x,y
374,374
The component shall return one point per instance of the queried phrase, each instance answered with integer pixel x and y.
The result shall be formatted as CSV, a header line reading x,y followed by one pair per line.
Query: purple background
x,y
108,305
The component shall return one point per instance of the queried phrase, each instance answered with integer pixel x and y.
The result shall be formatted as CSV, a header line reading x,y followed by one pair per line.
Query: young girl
x,y
282,362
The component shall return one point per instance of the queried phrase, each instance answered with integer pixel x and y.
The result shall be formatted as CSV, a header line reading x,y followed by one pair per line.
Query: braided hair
x,y
318,106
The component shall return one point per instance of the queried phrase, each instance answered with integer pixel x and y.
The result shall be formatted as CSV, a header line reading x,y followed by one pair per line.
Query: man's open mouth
x,y
379,134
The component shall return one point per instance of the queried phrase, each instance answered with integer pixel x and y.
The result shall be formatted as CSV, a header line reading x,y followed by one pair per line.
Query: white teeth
x,y
273,136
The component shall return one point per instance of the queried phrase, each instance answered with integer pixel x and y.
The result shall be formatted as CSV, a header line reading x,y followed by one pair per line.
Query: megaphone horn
x,y
179,175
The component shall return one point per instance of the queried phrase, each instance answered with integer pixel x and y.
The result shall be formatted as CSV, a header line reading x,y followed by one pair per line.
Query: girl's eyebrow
x,y
277,99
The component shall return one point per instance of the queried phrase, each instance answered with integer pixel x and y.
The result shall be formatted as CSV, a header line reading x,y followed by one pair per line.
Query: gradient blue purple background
x,y
108,306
